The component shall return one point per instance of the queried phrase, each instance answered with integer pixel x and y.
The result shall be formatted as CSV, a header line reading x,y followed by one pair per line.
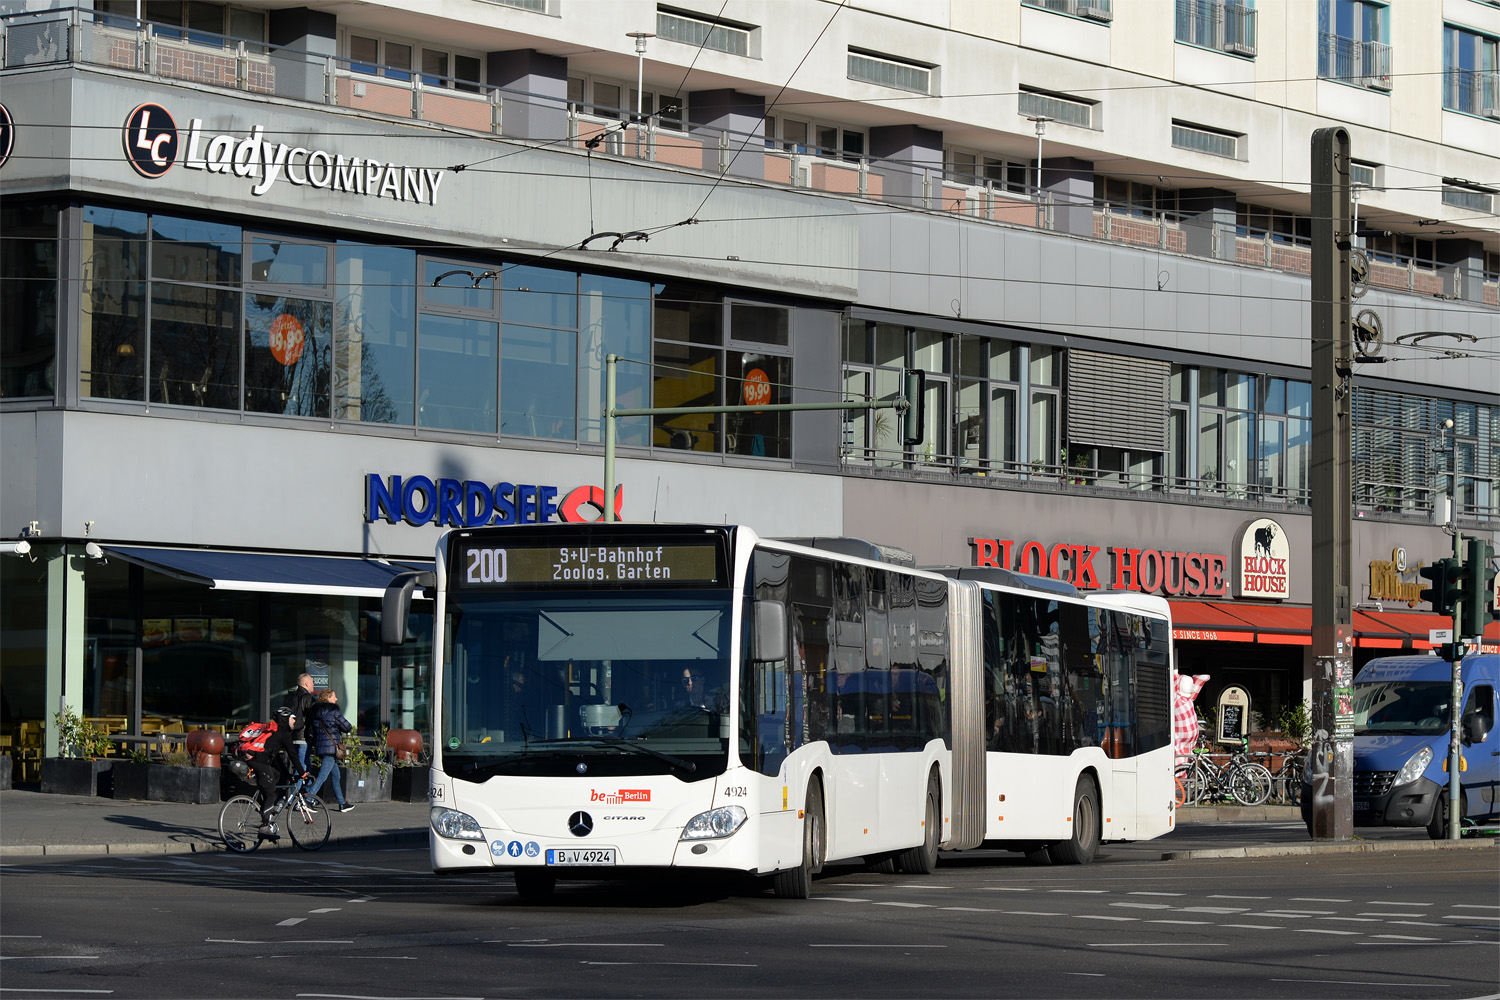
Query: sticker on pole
x,y
1437,636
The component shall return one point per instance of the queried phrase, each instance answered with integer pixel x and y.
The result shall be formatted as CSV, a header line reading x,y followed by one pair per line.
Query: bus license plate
x,y
581,856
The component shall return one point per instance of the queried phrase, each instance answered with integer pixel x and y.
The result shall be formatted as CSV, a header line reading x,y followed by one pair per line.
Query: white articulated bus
x,y
616,696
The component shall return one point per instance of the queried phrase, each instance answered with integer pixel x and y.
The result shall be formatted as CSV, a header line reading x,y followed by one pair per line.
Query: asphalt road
x,y
378,924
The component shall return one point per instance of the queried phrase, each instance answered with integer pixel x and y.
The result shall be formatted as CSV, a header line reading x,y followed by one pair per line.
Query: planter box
x,y
166,783
409,784
366,786
6,766
70,776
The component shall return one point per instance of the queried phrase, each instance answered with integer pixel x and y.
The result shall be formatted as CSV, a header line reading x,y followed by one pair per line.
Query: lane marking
x,y
327,909
50,958
903,885
1001,888
1164,894
1353,982
1220,896
1186,923
1029,913
1391,902
861,885
968,909
1417,923
581,944
842,899
696,965
35,936
1376,913
290,921
1316,899
891,946
1105,916
1474,906
1095,974
1323,930
1093,892
1402,937
1355,920
1255,927
1162,944
1469,916
1214,909
38,989
1312,913
909,906
1144,906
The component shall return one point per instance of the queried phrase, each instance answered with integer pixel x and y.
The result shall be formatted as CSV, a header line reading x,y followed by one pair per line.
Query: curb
x,y
1232,814
404,838
1349,847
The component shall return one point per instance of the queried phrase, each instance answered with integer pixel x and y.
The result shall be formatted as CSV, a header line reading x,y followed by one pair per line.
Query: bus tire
x,y
1080,848
922,859
535,885
796,883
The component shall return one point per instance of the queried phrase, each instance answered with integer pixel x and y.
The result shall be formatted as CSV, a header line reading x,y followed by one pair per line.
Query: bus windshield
x,y
613,682
1410,707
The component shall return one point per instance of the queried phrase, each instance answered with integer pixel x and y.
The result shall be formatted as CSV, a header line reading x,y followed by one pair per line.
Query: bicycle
x,y
1203,779
307,820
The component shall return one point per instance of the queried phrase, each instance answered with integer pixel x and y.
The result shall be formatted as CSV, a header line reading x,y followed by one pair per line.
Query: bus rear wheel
x,y
922,859
1080,848
796,883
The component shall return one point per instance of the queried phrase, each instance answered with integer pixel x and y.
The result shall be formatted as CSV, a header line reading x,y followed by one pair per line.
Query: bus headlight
x,y
1413,768
455,825
720,822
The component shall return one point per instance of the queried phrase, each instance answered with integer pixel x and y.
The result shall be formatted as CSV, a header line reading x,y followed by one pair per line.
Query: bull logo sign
x,y
1262,565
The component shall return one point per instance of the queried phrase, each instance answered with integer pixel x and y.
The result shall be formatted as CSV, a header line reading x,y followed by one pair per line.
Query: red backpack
x,y
253,737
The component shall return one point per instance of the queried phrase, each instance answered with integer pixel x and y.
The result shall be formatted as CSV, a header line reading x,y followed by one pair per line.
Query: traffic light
x,y
913,420
1447,584
1479,587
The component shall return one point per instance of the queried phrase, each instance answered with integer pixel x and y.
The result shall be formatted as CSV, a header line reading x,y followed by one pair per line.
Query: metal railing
x,y
1094,10
1349,60
1474,92
1214,24
85,37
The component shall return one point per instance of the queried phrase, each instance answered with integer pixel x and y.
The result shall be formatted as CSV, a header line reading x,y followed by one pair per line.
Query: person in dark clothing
x,y
326,728
301,701
275,763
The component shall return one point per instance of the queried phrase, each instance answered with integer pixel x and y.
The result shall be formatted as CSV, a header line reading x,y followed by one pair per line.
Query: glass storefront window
x,y
112,326
539,296
686,376
456,373
760,324
190,250
199,665
28,309
195,357
287,355
374,356
759,378
283,262
464,286
537,382
615,318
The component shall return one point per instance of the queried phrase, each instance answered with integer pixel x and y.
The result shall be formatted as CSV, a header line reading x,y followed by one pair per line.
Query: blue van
x,y
1401,742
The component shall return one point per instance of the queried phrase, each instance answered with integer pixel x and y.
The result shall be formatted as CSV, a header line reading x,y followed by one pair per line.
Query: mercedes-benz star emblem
x,y
581,823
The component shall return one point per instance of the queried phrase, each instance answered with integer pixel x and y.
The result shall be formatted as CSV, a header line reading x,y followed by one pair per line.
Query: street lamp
x,y
640,66
1040,121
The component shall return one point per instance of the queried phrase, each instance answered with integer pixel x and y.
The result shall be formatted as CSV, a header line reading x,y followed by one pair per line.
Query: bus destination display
x,y
482,565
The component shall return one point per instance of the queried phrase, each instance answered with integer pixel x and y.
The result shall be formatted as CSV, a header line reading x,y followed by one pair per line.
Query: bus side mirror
x,y
395,606
770,631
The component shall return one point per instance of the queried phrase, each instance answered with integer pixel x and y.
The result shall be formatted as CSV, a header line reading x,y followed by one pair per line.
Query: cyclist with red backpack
x,y
271,752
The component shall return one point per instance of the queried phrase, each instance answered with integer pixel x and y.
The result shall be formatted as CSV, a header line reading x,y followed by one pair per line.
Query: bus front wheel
x,y
796,883
1079,849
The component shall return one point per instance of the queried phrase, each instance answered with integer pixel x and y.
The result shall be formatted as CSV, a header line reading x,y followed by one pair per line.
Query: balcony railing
x,y
83,37
1094,10
1348,60
1474,92
1214,24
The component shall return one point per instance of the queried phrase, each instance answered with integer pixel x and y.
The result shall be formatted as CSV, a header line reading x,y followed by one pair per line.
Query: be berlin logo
x,y
153,144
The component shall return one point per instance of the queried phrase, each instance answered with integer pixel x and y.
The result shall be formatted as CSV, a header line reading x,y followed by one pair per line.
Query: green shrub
x,y
76,738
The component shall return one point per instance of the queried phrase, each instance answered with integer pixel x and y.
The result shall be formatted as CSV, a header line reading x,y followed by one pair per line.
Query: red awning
x,y
1280,624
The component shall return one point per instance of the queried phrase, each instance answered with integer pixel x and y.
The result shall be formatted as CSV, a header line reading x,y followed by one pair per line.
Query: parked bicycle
x,y
1202,779
303,815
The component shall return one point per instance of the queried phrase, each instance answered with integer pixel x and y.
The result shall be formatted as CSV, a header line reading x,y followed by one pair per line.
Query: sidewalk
x,y
34,824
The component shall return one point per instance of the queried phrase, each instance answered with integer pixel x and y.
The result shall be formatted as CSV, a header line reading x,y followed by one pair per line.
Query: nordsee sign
x,y
472,503
152,145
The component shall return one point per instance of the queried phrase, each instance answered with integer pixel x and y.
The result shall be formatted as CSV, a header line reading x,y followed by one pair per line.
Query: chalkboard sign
x,y
1231,723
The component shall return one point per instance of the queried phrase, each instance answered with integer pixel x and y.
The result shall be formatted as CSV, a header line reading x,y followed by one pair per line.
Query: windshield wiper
x,y
666,758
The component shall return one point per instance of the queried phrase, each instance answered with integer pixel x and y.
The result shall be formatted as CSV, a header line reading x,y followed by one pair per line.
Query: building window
x,y
615,99
1214,142
1470,197
1257,222
288,327
709,352
1405,454
1471,72
1354,43
1094,10
701,31
1362,173
394,60
1125,197
1060,107
196,21
28,309
968,167
884,71
1216,24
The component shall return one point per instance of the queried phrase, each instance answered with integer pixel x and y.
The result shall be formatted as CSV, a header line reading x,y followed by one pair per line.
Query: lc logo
x,y
150,140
